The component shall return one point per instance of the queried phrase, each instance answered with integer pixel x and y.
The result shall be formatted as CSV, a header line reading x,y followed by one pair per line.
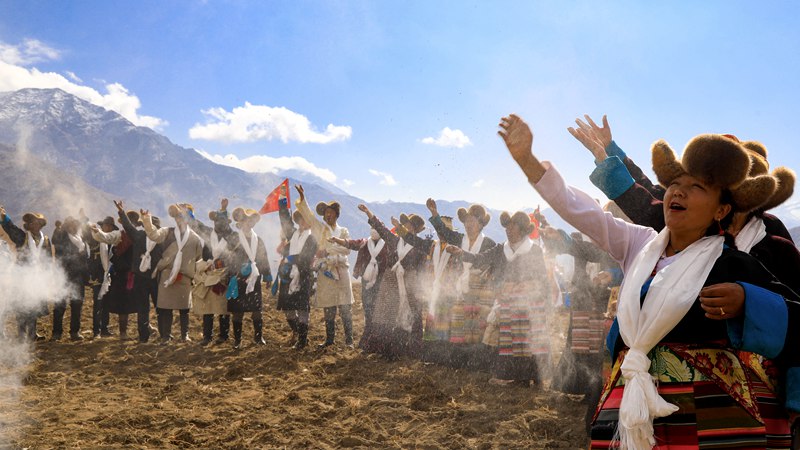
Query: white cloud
x,y
31,51
348,183
386,178
268,164
479,183
73,77
14,76
449,138
250,123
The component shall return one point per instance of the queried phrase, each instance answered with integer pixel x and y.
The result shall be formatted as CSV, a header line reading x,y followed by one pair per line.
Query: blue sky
x,y
351,90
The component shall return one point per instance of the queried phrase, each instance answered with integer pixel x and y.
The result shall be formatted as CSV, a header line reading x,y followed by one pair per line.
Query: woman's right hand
x,y
300,191
596,139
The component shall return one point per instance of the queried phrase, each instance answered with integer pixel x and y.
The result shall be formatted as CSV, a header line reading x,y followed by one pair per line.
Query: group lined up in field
x,y
707,307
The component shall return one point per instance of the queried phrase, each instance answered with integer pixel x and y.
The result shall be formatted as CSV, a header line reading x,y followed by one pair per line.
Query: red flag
x,y
271,204
535,233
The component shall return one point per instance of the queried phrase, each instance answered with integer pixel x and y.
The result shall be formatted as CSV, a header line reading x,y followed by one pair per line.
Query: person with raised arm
x,y
397,313
210,283
517,326
476,297
73,254
334,289
688,303
175,270
296,272
248,268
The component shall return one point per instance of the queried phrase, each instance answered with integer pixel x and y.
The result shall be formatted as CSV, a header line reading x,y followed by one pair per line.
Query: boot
x,y
258,326
330,334
237,335
293,324
208,329
302,336
184,322
224,328
123,327
348,332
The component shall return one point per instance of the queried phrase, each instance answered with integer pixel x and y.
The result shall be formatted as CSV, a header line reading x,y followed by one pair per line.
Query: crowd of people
x,y
691,293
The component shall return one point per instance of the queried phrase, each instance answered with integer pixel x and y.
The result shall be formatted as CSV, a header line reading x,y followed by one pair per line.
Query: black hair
x,y
725,198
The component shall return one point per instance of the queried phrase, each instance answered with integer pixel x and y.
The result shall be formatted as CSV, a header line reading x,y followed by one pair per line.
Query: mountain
x,y
795,233
60,153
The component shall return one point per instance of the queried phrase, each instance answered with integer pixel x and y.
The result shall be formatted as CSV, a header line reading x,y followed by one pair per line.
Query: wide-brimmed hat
x,y
108,221
133,216
475,210
783,176
520,219
322,206
241,214
718,160
155,221
175,210
34,216
416,222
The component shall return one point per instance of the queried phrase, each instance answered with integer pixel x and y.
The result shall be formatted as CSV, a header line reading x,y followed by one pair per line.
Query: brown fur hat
x,y
416,223
785,179
322,206
719,160
222,215
174,210
34,216
758,157
520,219
133,216
475,210
240,214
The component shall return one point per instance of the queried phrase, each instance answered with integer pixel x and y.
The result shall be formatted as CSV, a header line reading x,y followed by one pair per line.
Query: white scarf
x,y
370,275
296,244
751,234
146,262
463,281
35,249
250,250
524,247
78,243
404,316
642,325
105,260
180,241
217,245
440,260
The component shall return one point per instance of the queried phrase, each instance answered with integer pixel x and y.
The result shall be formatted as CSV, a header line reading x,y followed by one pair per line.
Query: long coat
x,y
245,302
75,262
178,295
211,277
301,259
330,291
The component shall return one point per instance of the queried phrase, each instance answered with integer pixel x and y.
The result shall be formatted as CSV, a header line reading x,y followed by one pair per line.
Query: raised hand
x,y
2,213
396,223
363,208
120,206
431,204
518,138
593,137
143,213
300,191
223,204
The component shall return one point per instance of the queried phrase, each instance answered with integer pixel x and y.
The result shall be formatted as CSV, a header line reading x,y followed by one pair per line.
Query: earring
x,y
721,231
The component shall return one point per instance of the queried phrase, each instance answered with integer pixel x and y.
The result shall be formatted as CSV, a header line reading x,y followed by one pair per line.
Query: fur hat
x,y
520,219
240,214
784,177
33,216
174,210
322,206
133,216
475,210
417,223
447,221
221,215
703,157
110,222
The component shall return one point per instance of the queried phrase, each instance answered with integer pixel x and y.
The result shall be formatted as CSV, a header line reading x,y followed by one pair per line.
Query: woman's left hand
x,y
722,301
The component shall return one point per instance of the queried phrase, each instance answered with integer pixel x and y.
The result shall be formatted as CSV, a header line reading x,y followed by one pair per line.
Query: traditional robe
x,y
296,273
178,294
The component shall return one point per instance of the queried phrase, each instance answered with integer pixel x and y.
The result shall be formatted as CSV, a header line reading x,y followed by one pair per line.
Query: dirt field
x,y
106,393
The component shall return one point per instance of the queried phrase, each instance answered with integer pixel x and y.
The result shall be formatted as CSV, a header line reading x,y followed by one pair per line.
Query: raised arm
x,y
157,235
446,234
287,224
15,233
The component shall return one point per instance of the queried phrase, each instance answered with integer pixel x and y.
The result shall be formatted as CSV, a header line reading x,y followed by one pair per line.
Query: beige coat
x,y
330,292
205,301
179,294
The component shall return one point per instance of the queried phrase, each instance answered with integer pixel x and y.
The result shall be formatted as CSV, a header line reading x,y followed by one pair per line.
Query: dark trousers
x,y
75,308
100,315
165,322
143,319
26,325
